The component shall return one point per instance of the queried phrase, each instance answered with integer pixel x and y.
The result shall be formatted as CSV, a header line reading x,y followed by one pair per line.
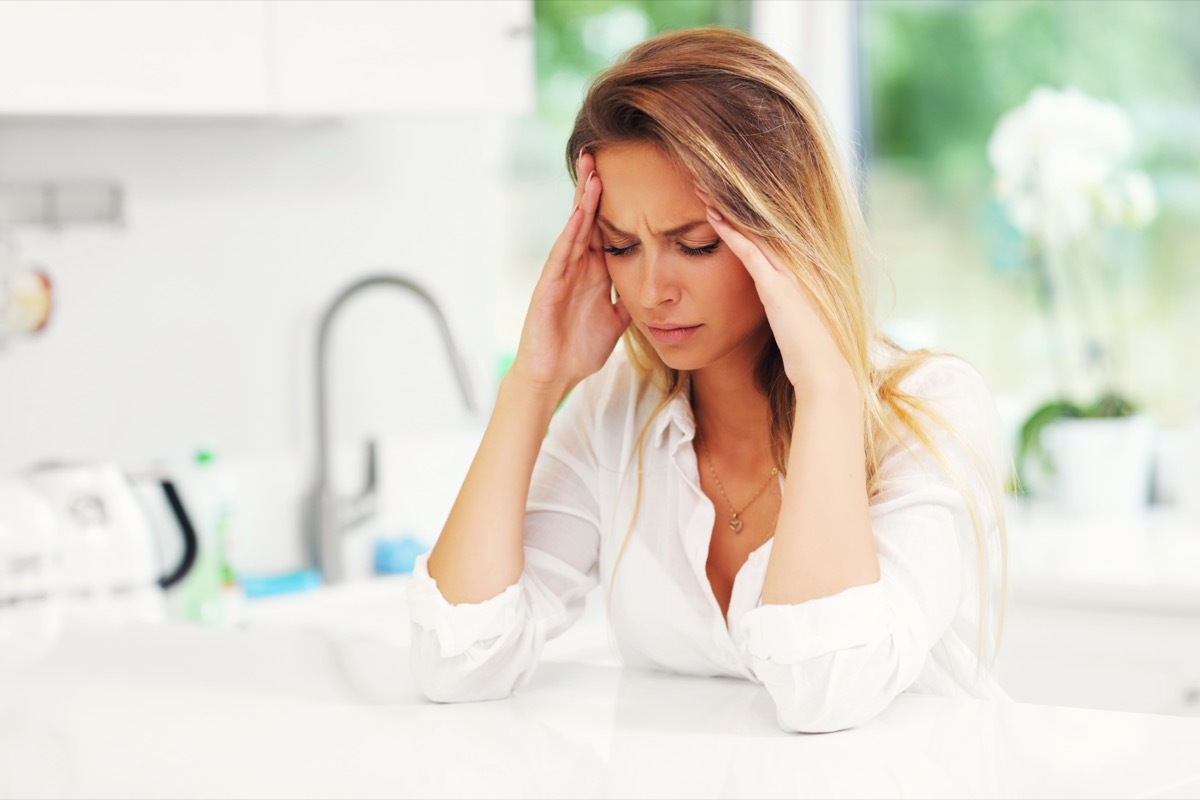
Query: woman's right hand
x,y
572,324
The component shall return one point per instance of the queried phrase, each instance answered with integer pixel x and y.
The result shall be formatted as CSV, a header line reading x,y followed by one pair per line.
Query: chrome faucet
x,y
332,515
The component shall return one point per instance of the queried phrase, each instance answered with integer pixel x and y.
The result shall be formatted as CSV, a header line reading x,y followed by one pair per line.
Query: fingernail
x,y
713,214
582,150
571,216
588,182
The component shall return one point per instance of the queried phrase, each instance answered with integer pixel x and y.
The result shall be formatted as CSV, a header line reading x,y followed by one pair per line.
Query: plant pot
x,y
1102,465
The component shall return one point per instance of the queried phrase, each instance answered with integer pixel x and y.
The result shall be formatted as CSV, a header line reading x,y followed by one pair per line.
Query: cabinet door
x,y
359,56
1098,659
133,57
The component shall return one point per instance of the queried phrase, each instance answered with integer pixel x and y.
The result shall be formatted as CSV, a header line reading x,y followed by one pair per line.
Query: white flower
x,y
1061,163
1142,202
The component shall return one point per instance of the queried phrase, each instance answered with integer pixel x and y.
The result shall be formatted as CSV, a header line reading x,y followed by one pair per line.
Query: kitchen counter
x,y
1141,563
142,710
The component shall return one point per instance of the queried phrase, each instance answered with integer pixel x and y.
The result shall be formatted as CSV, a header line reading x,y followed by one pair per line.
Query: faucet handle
x,y
355,510
372,467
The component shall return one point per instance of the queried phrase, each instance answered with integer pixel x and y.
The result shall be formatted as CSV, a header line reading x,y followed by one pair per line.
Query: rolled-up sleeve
x,y
482,651
835,662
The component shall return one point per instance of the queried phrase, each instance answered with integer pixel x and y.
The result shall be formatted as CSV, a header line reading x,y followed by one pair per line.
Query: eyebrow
x,y
679,230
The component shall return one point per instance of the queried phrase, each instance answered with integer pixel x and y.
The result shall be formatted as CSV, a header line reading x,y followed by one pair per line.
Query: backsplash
x,y
194,324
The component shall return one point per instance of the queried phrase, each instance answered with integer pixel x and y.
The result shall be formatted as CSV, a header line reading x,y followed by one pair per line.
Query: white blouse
x,y
828,663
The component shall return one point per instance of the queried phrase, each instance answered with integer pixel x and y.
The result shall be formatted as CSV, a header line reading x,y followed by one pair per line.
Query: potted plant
x,y
1064,179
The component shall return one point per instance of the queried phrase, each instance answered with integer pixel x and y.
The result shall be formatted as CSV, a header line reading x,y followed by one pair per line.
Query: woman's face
x,y
685,290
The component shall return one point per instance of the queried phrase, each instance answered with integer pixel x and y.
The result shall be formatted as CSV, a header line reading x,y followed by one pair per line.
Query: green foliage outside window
x,y
575,39
941,73
578,38
938,74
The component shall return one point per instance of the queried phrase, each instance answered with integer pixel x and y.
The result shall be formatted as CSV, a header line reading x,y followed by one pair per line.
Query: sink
x,y
374,608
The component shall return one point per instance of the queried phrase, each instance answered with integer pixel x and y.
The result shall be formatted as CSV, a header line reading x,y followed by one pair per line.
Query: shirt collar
x,y
677,414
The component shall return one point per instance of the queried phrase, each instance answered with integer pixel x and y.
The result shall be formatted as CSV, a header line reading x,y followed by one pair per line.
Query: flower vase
x,y
1103,465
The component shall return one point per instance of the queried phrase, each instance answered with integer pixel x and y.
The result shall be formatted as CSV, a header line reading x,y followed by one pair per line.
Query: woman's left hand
x,y
811,357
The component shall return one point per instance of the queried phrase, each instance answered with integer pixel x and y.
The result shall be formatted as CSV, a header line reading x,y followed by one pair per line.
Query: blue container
x,y
396,555
272,585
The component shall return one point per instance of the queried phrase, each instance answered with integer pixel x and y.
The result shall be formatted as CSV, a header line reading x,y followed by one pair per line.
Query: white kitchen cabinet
x,y
264,57
362,56
1104,610
116,57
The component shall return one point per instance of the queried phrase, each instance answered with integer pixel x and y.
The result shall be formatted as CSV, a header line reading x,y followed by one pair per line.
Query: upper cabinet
x,y
264,57
355,57
100,57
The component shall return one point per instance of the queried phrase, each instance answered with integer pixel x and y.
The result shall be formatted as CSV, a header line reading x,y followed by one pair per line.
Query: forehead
x,y
640,184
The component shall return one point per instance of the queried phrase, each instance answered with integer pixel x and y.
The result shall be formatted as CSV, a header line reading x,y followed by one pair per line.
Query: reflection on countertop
x,y
169,710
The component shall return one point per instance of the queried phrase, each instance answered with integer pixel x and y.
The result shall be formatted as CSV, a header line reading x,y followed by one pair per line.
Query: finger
x,y
561,249
590,202
622,313
585,164
596,243
581,185
748,251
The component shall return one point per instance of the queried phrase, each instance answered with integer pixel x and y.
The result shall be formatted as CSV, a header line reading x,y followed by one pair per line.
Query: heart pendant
x,y
736,525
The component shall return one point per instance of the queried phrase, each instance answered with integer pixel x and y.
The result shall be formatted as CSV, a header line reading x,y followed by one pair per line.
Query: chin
x,y
678,358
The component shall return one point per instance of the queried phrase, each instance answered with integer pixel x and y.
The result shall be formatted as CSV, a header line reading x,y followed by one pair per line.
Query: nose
x,y
659,282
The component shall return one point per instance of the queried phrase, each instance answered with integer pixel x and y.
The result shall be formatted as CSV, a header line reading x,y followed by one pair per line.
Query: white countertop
x,y
142,710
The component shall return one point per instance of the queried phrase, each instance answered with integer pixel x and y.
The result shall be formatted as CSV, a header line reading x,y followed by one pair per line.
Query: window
x,y
938,76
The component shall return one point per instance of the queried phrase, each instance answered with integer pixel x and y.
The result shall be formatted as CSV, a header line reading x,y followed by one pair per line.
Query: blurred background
x,y
187,187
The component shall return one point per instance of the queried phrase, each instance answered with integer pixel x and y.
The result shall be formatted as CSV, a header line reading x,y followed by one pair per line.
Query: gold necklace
x,y
735,523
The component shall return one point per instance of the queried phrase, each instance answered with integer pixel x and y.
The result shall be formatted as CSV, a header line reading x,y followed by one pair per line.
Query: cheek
x,y
735,284
621,278
739,298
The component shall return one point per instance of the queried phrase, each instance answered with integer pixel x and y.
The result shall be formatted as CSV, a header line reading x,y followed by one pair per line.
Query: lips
x,y
672,333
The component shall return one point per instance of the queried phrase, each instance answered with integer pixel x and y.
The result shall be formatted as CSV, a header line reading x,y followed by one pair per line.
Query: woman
x,y
766,486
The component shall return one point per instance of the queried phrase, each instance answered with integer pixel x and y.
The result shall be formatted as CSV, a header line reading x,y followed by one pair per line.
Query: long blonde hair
x,y
747,127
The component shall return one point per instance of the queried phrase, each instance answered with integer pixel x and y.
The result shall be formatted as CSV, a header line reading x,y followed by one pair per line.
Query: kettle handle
x,y
190,544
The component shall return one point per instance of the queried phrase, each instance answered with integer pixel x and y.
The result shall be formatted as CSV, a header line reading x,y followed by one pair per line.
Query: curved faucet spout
x,y
332,515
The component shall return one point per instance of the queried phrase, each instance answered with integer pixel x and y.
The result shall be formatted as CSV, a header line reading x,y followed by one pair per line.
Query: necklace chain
x,y
735,522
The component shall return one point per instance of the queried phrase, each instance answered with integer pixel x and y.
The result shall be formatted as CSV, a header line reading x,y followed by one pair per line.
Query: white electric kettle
x,y
30,573
110,548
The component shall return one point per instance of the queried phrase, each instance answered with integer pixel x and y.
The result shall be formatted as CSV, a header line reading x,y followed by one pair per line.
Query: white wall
x,y
194,325
818,38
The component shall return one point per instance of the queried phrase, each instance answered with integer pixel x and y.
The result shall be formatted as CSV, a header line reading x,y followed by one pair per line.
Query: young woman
x,y
764,485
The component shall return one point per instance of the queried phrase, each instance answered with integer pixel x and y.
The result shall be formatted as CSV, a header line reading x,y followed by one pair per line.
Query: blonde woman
x,y
763,485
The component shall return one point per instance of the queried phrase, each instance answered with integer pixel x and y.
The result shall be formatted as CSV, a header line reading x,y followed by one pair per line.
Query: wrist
x,y
835,385
542,394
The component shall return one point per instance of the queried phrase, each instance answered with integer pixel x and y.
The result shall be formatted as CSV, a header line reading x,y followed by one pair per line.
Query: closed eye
x,y
707,249
699,251
612,250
